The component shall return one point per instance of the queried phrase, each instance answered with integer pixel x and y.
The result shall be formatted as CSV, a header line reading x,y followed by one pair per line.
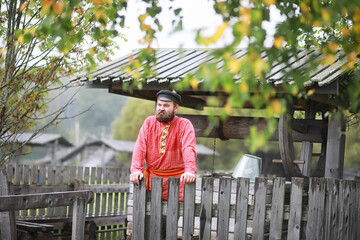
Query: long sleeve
x,y
139,153
189,148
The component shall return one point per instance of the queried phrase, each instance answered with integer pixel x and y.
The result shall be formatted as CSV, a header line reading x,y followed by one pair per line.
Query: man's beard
x,y
165,117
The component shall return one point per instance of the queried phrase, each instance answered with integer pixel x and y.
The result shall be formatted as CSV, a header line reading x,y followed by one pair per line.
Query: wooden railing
x,y
76,199
237,209
107,212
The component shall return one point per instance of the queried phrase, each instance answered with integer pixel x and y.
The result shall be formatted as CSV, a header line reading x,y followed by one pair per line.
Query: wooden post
x,y
335,150
189,211
139,209
224,208
173,208
294,225
307,147
78,222
277,208
259,208
155,217
242,199
207,186
7,219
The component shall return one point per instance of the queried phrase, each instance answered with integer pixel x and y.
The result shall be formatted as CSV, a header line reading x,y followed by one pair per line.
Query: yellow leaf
x,y
304,7
144,27
22,6
136,75
21,38
316,23
137,64
217,35
234,66
276,106
46,4
356,14
128,70
194,83
311,91
142,17
259,66
328,60
243,87
352,59
325,14
333,47
269,2
278,42
59,7
345,32
228,108
99,14
92,51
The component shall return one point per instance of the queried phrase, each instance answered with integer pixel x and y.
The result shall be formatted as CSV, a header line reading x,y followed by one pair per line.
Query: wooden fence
x,y
107,212
237,209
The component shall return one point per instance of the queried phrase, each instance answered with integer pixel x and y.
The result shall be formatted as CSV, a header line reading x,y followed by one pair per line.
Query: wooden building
x,y
174,64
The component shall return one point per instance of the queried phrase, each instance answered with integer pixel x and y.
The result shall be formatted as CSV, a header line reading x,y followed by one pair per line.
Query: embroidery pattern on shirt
x,y
163,138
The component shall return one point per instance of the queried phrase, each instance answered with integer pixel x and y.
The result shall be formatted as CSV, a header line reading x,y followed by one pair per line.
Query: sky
x,y
198,14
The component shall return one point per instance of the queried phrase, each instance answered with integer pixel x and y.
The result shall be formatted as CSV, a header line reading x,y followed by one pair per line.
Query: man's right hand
x,y
135,177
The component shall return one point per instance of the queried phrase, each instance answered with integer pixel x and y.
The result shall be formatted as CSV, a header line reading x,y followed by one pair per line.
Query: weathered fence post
x,y
7,219
139,203
78,224
155,217
259,208
189,211
172,208
242,201
296,200
207,186
277,208
316,216
224,208
331,204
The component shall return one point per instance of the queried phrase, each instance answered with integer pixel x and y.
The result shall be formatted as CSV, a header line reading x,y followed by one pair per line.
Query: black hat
x,y
167,95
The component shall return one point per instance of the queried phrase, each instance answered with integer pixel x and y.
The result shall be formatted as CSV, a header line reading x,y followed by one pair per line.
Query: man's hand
x,y
187,177
135,177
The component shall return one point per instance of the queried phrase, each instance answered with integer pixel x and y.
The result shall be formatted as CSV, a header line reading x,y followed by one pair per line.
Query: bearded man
x,y
166,143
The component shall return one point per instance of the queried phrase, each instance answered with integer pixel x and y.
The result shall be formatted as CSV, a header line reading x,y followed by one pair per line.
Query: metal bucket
x,y
249,166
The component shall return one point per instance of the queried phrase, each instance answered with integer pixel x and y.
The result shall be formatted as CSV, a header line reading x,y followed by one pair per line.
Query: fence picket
x,y
155,217
259,208
296,200
331,202
242,199
224,208
277,208
139,210
189,211
353,224
316,216
207,186
172,214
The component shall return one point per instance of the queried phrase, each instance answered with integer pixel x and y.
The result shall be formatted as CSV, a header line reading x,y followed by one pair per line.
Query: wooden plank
x,y
334,164
316,216
25,182
42,180
78,223
104,196
207,186
259,210
353,223
155,218
98,196
277,208
239,128
357,209
7,219
242,199
296,200
34,181
58,181
51,182
224,208
189,211
139,210
65,172
344,207
42,200
110,194
92,181
172,215
331,204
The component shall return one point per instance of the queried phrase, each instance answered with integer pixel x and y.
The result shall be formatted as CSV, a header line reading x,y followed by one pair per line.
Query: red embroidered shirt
x,y
164,147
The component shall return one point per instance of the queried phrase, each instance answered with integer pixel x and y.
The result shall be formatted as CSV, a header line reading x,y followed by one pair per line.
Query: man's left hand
x,y
187,177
